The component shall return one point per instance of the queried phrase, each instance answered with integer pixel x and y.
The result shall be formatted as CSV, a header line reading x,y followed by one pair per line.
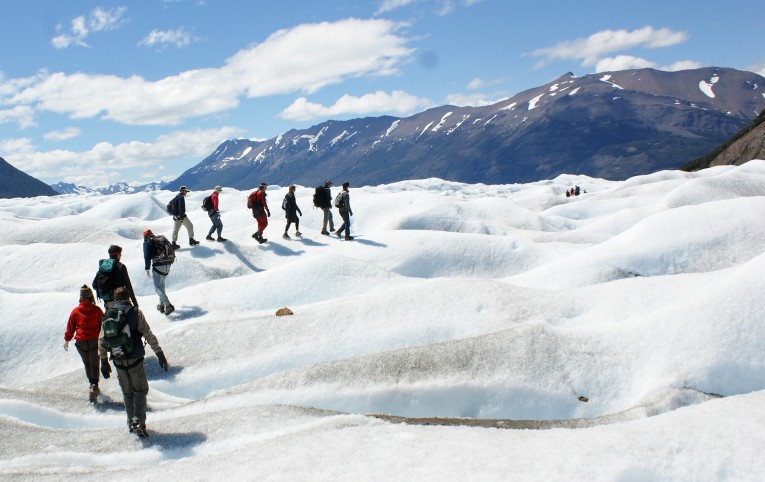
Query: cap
x,y
218,189
147,232
263,184
86,293
183,188
328,183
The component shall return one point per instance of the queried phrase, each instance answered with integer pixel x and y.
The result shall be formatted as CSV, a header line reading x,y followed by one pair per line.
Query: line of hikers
x,y
118,331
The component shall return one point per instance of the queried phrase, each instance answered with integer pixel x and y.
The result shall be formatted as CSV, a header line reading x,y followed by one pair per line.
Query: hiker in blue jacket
x,y
180,219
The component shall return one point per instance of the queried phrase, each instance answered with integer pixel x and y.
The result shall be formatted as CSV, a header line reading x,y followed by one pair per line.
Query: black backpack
x,y
207,203
319,198
105,281
165,251
117,334
172,206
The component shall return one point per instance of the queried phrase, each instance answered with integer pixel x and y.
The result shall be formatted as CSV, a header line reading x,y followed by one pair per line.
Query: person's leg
x,y
88,350
213,227
189,227
140,386
176,228
159,273
123,377
331,221
346,222
218,224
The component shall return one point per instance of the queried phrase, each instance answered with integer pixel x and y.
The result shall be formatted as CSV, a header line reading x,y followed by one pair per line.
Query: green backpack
x,y
117,334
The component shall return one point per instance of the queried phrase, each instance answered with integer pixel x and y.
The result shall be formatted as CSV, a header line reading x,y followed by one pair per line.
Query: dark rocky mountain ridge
x,y
610,125
16,183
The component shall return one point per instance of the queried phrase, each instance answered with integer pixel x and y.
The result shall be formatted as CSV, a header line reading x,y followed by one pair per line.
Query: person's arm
x,y
147,255
71,326
215,201
128,285
145,330
265,205
181,206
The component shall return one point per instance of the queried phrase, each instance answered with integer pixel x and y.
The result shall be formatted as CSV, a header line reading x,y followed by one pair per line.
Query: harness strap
x,y
131,365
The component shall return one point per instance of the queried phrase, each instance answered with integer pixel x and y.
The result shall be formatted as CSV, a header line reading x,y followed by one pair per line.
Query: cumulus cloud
x,y
21,114
757,68
591,49
164,38
99,20
397,102
625,62
108,162
301,59
62,135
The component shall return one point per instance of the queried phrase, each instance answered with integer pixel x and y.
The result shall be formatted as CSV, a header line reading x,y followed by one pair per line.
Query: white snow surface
x,y
706,87
455,300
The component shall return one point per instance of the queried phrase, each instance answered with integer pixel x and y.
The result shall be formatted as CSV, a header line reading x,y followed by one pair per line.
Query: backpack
x,y
251,199
117,334
105,280
172,206
207,203
319,199
284,203
340,200
165,251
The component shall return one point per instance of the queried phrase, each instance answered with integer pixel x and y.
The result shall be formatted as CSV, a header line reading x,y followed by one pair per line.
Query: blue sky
x,y
97,92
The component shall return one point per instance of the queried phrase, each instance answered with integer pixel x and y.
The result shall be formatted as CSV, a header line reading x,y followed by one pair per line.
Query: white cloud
x,y
625,62
591,49
62,135
475,84
471,100
757,68
163,38
99,20
389,5
397,102
22,115
302,59
107,162
442,7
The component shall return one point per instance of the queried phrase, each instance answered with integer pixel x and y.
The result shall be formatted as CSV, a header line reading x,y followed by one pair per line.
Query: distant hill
x,y
610,125
68,188
745,145
16,183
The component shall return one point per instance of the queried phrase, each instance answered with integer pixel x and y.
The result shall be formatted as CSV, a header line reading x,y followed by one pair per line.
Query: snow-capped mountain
x,y
68,188
609,125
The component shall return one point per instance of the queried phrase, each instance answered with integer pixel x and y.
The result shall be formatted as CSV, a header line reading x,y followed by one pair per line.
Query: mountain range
x,y
69,188
608,125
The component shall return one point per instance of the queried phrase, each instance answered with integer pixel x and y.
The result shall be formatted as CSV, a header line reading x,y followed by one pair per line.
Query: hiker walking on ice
x,y
257,202
291,211
214,213
324,202
112,274
181,219
343,205
157,266
128,359
84,326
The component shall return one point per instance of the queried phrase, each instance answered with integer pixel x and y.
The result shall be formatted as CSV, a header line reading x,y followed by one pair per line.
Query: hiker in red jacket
x,y
257,202
84,326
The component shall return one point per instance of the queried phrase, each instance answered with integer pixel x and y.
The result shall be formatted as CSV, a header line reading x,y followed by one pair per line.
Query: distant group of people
x,y
574,191
117,332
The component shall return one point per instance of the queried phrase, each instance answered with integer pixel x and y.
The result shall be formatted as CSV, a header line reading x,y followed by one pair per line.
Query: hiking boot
x,y
349,238
176,245
221,239
331,230
193,242
298,234
161,308
255,235
338,234
169,309
93,393
209,238
325,233
286,236
262,240
138,428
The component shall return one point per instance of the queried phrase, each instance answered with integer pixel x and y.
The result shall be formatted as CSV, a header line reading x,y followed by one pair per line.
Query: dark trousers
x,y
346,226
88,350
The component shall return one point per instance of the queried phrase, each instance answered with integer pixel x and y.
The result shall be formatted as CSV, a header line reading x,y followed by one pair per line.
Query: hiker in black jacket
x,y
326,207
180,219
291,211
119,278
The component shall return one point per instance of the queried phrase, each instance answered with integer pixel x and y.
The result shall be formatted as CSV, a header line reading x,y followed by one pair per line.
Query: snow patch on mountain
x,y
392,127
441,123
607,79
706,87
533,102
